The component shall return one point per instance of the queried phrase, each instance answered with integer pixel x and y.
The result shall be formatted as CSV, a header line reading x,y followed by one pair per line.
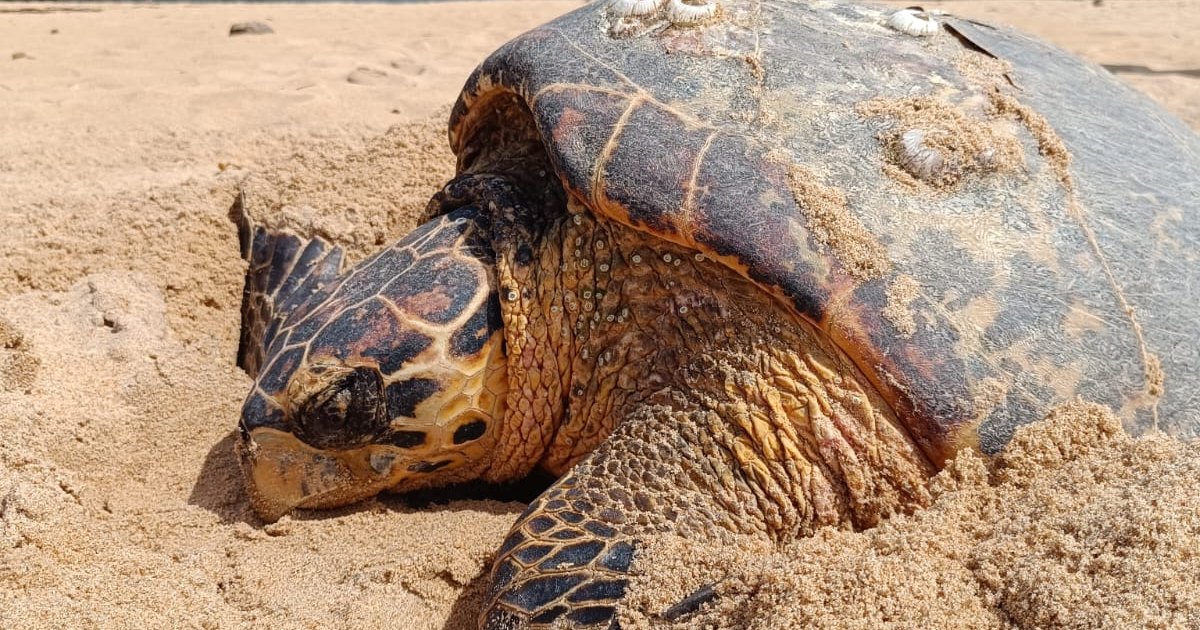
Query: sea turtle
x,y
747,270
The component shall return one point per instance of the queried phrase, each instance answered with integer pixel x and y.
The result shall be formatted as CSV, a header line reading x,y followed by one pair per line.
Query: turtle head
x,y
391,377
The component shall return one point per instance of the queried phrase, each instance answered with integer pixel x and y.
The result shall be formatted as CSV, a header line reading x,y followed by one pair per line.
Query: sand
x,y
1077,525
126,131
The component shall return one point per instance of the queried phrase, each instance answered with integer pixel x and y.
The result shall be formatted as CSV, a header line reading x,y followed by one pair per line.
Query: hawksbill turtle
x,y
740,270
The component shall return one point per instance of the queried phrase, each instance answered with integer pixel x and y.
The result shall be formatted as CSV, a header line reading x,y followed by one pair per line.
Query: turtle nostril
x,y
407,439
347,413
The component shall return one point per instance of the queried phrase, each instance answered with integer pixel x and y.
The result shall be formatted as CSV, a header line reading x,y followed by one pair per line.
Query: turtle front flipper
x,y
663,471
564,560
285,268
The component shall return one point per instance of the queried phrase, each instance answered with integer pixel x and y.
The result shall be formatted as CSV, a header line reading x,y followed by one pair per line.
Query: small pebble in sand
x,y
250,28
20,55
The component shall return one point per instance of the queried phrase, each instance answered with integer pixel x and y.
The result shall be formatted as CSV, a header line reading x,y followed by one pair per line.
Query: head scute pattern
x,y
373,371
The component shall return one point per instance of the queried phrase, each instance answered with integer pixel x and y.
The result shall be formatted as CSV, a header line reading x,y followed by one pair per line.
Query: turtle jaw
x,y
283,473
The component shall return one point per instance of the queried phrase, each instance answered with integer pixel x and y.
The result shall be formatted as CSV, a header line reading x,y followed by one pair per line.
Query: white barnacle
x,y
577,219
683,309
587,295
689,12
699,257
624,312
913,21
603,267
512,295
666,258
584,353
583,263
637,259
677,261
609,317
921,160
599,244
554,309
635,7
578,242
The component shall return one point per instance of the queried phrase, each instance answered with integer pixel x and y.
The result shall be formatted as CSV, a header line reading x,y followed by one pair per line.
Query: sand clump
x,y
1076,525
937,144
901,292
361,197
833,225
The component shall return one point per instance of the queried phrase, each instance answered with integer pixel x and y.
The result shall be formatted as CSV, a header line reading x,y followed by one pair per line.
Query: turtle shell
x,y
986,225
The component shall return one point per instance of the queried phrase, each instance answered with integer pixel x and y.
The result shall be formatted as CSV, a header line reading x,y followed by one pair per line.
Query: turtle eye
x,y
472,430
347,413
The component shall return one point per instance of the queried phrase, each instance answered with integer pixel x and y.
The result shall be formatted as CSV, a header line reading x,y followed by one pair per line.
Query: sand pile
x,y
121,504
1077,525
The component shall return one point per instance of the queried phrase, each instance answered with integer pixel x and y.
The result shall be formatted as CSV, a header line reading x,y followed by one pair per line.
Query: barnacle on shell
x,y
631,18
918,158
913,21
623,8
683,13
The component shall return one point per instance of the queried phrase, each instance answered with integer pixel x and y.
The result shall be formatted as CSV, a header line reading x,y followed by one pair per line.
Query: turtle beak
x,y
282,473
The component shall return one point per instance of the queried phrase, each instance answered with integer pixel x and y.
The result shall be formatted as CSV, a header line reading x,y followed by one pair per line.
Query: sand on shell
x,y
121,504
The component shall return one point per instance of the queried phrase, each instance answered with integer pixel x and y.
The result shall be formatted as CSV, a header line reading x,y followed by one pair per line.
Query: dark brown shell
x,y
983,298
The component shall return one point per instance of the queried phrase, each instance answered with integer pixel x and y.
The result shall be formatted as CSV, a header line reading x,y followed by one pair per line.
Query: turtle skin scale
x,y
751,277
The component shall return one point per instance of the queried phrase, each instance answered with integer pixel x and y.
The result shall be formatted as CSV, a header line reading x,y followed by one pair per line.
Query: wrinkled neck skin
x,y
605,321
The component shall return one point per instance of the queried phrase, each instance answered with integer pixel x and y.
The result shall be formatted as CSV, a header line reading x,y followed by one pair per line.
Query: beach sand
x,y
125,132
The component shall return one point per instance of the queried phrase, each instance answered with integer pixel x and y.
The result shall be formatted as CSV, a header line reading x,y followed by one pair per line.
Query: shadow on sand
x,y
220,489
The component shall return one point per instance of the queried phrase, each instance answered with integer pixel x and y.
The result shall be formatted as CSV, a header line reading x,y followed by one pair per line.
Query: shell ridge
x,y
689,203
606,152
594,59
1049,141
